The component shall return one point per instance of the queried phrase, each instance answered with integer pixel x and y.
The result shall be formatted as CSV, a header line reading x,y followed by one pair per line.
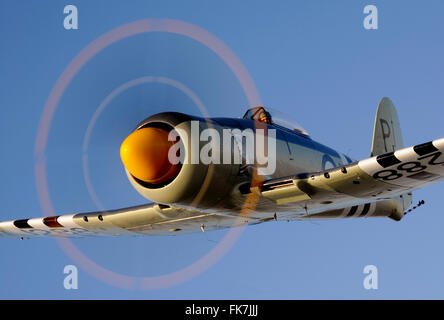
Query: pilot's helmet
x,y
263,116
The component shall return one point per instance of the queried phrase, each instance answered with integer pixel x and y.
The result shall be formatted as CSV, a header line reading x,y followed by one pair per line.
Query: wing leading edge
x,y
151,219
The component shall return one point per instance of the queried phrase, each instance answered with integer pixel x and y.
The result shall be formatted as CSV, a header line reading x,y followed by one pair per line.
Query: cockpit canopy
x,y
274,117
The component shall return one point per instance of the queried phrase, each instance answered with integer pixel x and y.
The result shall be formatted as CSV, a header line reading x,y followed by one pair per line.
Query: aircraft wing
x,y
151,219
374,179
377,178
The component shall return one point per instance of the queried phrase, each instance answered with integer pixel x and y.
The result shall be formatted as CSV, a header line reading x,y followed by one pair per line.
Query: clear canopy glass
x,y
272,116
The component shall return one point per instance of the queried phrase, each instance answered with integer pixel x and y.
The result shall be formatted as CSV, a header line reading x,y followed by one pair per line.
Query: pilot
x,y
262,116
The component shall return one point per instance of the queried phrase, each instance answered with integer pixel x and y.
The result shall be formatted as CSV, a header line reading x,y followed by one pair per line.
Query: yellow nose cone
x,y
144,154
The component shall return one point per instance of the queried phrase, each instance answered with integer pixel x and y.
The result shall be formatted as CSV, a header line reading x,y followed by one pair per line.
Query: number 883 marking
x,y
408,167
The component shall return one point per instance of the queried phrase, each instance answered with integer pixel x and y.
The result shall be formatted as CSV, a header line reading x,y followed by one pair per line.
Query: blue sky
x,y
310,59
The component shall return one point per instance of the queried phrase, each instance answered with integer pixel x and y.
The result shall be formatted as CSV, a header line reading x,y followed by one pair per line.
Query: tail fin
x,y
387,137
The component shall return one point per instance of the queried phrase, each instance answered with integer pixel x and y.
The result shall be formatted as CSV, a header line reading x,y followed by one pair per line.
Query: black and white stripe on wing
x,y
387,160
50,222
22,224
425,148
411,167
